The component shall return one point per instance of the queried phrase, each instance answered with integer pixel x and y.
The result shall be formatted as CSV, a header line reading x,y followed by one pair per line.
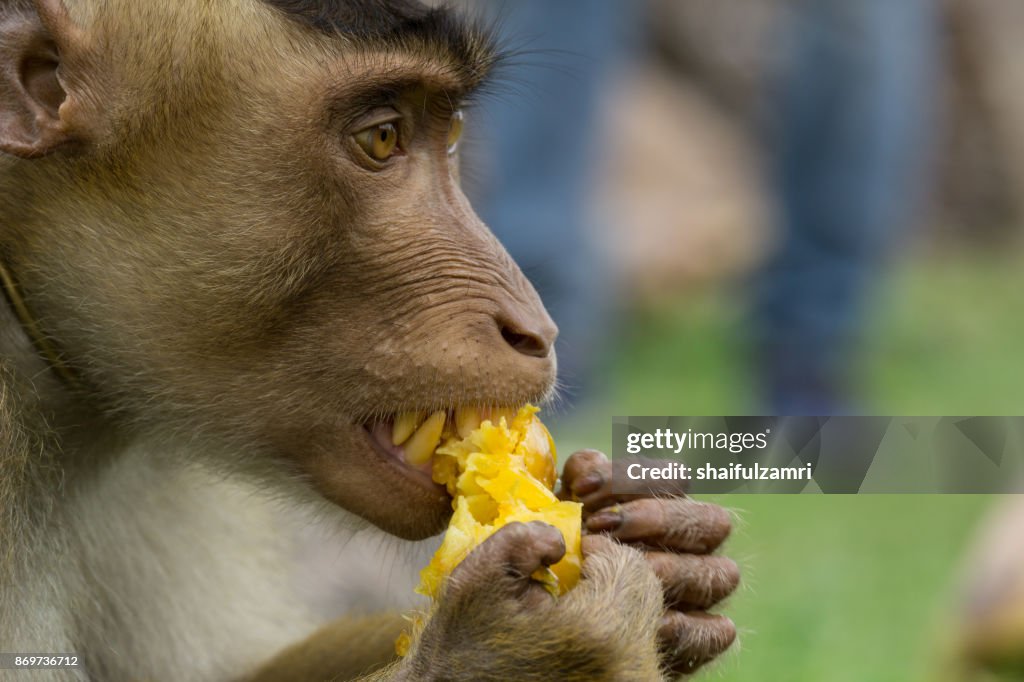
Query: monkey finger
x,y
693,581
585,473
677,524
689,640
591,478
507,559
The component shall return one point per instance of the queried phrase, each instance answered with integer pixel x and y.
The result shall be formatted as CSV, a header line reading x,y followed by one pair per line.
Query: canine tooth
x,y
405,425
467,420
421,445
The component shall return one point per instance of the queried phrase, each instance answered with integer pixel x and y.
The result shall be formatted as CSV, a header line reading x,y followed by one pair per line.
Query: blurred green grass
x,y
844,588
838,588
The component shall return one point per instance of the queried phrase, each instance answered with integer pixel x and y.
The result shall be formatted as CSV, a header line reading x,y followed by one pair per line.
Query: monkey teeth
x,y
405,425
467,420
421,445
414,436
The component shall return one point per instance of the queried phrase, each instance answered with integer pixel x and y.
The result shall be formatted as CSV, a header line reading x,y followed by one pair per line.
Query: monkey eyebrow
x,y
435,34
442,99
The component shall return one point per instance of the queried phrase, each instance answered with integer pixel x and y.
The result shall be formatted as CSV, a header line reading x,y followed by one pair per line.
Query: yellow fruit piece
x,y
500,473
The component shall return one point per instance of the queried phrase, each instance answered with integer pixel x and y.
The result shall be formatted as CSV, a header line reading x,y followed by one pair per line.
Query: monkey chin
x,y
431,500
357,468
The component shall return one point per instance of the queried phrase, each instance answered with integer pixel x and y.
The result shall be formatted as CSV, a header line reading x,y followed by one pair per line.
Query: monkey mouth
x,y
409,439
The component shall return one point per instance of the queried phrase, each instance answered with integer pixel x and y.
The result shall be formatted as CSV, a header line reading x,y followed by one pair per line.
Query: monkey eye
x,y
380,142
455,131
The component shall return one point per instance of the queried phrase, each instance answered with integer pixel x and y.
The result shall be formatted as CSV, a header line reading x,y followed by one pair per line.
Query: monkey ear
x,y
36,39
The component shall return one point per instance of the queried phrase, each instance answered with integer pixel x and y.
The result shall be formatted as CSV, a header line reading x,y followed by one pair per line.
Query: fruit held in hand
x,y
498,471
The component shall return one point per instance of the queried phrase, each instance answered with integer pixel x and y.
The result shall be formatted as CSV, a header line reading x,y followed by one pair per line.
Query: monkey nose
x,y
530,335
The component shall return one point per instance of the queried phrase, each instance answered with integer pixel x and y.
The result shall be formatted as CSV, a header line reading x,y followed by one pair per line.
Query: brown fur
x,y
236,291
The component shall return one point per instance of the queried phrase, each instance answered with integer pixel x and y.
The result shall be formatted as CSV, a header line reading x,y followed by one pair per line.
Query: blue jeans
x,y
855,115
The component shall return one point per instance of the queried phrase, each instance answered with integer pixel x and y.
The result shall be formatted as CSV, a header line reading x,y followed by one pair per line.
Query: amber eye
x,y
455,132
379,142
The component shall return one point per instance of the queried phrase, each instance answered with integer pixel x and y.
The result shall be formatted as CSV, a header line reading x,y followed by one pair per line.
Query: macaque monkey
x,y
233,247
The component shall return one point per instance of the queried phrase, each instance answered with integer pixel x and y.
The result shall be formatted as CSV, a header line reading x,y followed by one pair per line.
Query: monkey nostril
x,y
536,344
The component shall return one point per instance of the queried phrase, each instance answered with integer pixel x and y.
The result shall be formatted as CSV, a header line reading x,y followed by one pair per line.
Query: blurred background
x,y
786,207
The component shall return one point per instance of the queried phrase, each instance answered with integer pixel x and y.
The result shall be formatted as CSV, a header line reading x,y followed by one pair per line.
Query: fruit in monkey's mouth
x,y
498,470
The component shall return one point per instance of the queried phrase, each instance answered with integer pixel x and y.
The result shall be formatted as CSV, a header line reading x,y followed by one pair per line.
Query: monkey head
x,y
246,229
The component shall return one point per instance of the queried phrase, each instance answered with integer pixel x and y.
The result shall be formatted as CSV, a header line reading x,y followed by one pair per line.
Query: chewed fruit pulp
x,y
501,472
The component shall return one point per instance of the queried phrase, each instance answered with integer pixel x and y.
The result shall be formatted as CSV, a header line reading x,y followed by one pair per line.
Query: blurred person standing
x,y
855,115
541,151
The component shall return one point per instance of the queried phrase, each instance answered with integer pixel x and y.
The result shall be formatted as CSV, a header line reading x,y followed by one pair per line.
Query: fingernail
x,y
604,520
584,485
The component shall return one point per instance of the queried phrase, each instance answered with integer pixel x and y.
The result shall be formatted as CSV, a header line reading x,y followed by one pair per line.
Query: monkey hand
x,y
676,535
493,622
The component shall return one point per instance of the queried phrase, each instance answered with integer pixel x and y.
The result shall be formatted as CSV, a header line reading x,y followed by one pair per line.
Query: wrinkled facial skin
x,y
218,256
417,306
420,308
